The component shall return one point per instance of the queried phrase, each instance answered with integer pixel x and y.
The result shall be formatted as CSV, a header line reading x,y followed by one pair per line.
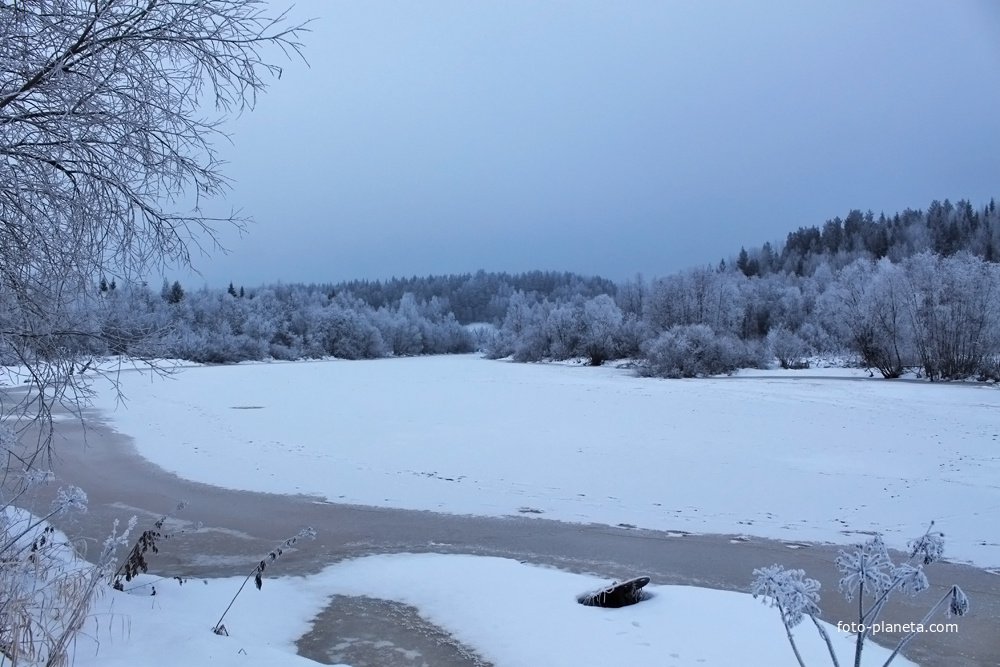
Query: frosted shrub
x,y
450,337
522,334
754,353
351,335
695,351
633,332
216,348
989,370
788,347
871,298
602,329
565,329
818,339
590,328
481,334
497,345
952,305
532,346
867,571
282,352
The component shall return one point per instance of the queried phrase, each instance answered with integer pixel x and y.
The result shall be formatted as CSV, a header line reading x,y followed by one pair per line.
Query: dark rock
x,y
616,595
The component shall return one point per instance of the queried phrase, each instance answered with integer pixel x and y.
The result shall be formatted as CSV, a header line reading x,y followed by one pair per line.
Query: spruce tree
x,y
176,293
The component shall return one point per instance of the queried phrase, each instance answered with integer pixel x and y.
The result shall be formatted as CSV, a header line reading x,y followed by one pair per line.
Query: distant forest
x,y
945,229
916,290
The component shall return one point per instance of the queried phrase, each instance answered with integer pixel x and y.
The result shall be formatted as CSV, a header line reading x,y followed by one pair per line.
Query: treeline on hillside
x,y
278,322
476,297
938,312
944,229
293,321
914,290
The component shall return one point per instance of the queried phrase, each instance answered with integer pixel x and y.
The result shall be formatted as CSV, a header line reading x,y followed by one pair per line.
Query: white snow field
x,y
515,615
823,455
813,456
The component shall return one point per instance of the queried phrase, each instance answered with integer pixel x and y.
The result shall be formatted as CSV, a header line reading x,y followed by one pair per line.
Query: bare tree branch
x,y
106,154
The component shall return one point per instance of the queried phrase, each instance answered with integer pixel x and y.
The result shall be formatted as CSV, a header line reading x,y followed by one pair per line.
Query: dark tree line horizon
x,y
944,229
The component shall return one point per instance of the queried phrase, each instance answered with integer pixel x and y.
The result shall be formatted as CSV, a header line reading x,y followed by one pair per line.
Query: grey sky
x,y
602,137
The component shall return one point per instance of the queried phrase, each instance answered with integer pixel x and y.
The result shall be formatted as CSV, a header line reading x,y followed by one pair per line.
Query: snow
x,y
174,627
813,455
514,614
821,454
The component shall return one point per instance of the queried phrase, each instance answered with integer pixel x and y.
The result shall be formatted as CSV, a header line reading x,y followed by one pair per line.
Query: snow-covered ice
x,y
793,456
512,613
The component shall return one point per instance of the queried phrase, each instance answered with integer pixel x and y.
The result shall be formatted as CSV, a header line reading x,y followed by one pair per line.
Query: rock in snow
x,y
616,595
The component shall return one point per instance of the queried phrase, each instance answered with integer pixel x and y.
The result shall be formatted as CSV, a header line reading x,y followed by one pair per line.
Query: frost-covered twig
x,y
258,572
959,606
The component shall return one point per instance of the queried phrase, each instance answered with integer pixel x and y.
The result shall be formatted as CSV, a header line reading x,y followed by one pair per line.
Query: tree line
x,y
824,292
938,315
476,297
944,229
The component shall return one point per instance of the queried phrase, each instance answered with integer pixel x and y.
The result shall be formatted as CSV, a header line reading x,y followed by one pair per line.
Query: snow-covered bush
x,y
818,339
697,351
602,320
521,335
565,328
633,332
349,334
989,369
444,335
591,328
481,335
788,348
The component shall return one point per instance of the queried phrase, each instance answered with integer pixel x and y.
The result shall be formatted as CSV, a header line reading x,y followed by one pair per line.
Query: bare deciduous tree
x,y
106,153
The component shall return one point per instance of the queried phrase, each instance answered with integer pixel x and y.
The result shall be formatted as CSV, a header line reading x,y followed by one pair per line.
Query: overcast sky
x,y
601,137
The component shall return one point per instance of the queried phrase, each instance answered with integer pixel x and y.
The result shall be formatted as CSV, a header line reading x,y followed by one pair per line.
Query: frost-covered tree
x,y
602,332
517,322
106,150
565,330
106,146
953,304
631,296
696,296
401,327
867,304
